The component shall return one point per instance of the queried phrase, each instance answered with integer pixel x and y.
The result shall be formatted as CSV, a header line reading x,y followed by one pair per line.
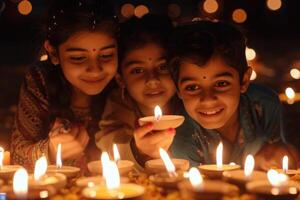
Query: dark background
x,y
275,36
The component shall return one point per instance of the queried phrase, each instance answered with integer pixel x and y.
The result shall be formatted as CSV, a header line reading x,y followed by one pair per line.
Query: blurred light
x,y
140,11
174,10
274,4
210,6
290,93
253,75
127,10
239,15
250,54
295,73
44,57
24,7
2,6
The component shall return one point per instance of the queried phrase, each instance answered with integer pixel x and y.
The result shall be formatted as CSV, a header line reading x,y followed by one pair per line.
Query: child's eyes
x,y
222,84
77,59
137,70
191,88
163,69
106,56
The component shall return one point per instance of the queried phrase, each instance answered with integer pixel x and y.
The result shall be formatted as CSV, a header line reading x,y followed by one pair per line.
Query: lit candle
x,y
20,183
160,121
69,171
124,166
6,171
215,171
113,188
285,167
197,188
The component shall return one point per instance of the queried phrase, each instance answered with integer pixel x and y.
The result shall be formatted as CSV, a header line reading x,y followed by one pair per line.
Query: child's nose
x,y
152,80
94,66
207,95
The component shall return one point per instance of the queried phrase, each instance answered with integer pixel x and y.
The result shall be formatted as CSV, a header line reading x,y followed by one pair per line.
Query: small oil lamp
x,y
113,188
160,121
6,171
285,167
69,171
215,171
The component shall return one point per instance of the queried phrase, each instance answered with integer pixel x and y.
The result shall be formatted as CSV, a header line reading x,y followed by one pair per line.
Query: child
x,y
208,64
61,100
144,82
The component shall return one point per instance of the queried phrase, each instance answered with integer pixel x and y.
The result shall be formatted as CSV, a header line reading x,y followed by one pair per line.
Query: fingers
x,y
143,130
159,137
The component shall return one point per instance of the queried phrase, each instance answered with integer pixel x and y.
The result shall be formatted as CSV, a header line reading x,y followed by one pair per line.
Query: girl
x,y
144,83
61,100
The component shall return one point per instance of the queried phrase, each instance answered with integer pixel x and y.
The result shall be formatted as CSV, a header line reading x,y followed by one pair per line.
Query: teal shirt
x,y
260,118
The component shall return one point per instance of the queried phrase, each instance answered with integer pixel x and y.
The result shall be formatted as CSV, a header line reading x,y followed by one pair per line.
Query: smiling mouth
x,y
211,112
154,93
92,80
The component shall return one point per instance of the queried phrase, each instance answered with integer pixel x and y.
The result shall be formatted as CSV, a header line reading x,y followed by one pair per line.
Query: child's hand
x,y
73,141
148,142
270,156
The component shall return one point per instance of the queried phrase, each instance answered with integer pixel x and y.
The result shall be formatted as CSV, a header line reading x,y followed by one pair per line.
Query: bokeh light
x,y
25,7
250,54
239,15
210,6
140,11
295,73
174,10
44,57
127,10
253,75
290,93
274,4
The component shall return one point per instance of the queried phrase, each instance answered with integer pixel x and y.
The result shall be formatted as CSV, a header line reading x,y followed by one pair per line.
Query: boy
x,y
208,65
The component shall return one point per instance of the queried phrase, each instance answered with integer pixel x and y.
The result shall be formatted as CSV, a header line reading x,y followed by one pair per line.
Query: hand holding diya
x,y
69,171
160,121
6,171
124,166
215,171
113,188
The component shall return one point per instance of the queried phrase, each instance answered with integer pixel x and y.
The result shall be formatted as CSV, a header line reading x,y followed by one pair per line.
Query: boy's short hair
x,y
199,41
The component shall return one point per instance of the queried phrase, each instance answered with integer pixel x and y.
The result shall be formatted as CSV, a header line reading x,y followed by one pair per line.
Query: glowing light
x,y
210,6
20,183
249,165
116,153
157,113
295,73
290,93
167,161
25,7
219,155
110,172
274,4
127,10
276,179
140,11
250,54
40,168
253,75
104,160
285,164
58,156
174,10
195,178
1,157
239,15
44,57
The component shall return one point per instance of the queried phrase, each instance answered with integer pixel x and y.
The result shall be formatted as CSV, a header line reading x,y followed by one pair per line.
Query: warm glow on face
x,y
58,156
250,54
40,168
210,6
274,4
24,7
167,161
157,113
1,157
239,15
116,153
290,93
195,178
285,163
249,165
20,182
219,155
295,73
275,178
253,75
110,172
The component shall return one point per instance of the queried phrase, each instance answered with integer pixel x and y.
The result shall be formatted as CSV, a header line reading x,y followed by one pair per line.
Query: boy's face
x,y
210,93
146,77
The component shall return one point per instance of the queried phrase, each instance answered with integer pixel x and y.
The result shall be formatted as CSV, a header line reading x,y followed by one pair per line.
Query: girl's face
x,y
146,77
88,61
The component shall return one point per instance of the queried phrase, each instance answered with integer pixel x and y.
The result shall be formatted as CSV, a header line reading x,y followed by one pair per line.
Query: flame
x,y
110,172
116,153
249,165
1,157
167,161
285,163
157,113
58,157
275,178
290,93
20,182
219,155
40,168
195,177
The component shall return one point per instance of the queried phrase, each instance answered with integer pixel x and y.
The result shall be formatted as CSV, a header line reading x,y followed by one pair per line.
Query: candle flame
x,y
276,179
110,172
219,155
1,157
20,183
285,163
290,93
116,153
195,178
167,161
58,157
40,168
157,113
249,165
